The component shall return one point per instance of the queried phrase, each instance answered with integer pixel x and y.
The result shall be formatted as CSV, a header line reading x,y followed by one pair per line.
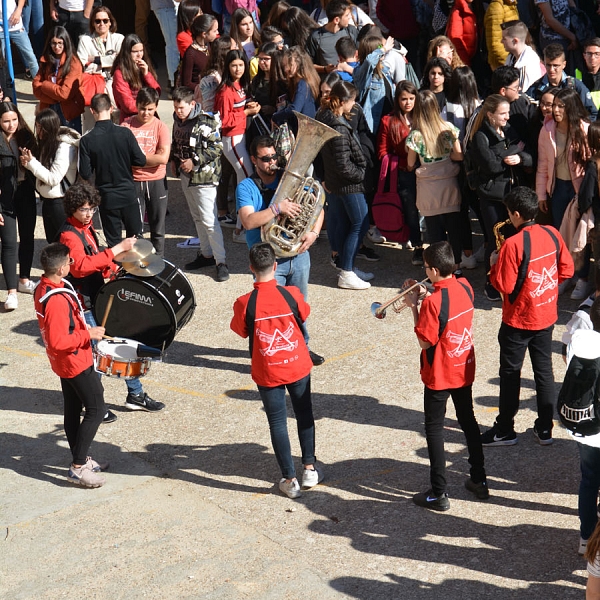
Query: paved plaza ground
x,y
190,508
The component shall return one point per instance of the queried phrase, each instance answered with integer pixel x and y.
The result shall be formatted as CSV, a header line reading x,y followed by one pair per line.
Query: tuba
x,y
285,233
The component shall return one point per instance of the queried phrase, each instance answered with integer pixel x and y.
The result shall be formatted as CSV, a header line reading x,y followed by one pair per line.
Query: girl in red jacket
x,y
131,72
462,29
57,84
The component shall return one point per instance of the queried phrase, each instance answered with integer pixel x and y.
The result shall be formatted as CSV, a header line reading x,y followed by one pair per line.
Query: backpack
x,y
387,206
471,171
578,403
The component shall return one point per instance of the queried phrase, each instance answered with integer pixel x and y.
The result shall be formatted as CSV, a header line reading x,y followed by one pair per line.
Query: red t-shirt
x,y
453,364
536,305
63,330
279,352
150,137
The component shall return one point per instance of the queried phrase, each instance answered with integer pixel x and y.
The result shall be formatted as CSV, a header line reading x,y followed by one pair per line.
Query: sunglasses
x,y
105,21
268,158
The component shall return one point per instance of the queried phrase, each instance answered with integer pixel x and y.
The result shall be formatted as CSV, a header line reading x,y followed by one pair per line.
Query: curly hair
x,y
78,195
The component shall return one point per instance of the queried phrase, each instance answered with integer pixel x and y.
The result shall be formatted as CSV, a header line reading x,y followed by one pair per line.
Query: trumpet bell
x,y
376,310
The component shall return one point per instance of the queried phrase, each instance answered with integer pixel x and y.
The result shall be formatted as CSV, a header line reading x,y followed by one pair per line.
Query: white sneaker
x,y
192,242
468,262
582,290
239,238
12,302
375,236
290,488
311,477
349,280
364,276
582,546
407,246
26,288
480,254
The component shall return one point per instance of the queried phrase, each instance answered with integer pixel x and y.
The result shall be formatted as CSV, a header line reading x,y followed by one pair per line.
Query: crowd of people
x,y
486,110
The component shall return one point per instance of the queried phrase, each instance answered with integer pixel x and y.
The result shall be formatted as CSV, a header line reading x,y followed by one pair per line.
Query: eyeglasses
x,y
264,58
105,21
70,261
553,67
60,43
559,106
512,89
590,54
90,211
268,158
546,104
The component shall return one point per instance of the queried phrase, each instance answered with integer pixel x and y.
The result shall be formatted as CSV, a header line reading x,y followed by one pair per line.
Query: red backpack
x,y
387,206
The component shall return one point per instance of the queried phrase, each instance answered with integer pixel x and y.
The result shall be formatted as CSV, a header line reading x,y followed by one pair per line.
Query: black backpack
x,y
578,400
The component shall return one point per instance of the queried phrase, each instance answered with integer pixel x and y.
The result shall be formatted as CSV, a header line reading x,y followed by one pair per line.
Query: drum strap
x,y
251,313
67,291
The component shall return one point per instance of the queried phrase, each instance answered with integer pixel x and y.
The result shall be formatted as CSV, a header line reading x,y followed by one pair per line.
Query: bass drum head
x,y
150,310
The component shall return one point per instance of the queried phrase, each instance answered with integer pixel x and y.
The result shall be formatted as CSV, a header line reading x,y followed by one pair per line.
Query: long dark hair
x,y
227,79
575,113
443,65
104,9
397,114
239,14
305,69
218,51
462,90
340,92
124,62
270,49
47,65
275,16
298,25
23,136
48,139
188,10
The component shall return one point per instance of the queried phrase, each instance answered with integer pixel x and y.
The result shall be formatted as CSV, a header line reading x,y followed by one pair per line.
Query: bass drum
x,y
150,310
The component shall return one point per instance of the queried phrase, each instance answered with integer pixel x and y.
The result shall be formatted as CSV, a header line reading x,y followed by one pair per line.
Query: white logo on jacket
x,y
277,341
546,280
464,342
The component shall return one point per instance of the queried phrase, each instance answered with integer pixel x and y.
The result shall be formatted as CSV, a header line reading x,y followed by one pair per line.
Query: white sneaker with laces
x,y
468,262
290,488
349,280
363,275
239,238
375,236
311,477
26,288
12,302
582,290
582,546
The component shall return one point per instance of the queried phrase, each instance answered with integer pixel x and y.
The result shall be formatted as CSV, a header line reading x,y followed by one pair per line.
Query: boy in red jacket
x,y
68,338
527,271
444,330
273,317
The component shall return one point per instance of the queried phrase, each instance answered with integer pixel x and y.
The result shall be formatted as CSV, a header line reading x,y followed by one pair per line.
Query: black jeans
x,y
74,22
53,216
435,411
85,390
407,190
492,212
129,215
447,226
153,197
513,344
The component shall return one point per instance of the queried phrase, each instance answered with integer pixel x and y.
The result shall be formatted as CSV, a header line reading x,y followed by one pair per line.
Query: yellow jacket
x,y
499,11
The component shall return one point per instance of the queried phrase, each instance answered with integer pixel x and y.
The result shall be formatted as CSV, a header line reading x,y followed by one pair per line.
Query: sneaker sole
x,y
83,484
367,258
543,442
351,287
433,507
501,443
138,407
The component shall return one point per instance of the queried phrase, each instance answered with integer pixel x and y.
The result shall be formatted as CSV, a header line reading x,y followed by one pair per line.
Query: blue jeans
x,y
295,271
562,195
73,123
21,40
407,190
33,22
348,223
589,458
167,19
273,399
133,385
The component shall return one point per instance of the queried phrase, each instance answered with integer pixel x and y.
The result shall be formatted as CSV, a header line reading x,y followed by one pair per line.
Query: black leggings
x,y
85,390
53,215
22,219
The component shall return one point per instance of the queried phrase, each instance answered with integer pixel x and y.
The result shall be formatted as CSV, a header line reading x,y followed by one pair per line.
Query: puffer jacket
x,y
49,181
9,172
462,30
344,163
498,12
544,178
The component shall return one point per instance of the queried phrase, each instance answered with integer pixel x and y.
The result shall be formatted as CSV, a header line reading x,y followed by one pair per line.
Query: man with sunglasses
x,y
253,199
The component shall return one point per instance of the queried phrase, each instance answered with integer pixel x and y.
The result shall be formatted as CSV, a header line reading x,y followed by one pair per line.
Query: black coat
x,y
9,172
344,163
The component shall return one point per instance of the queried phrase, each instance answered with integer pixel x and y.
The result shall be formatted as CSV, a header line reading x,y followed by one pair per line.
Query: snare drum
x,y
148,309
118,358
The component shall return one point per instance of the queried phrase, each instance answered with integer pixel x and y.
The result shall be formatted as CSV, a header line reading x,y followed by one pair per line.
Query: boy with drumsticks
x,y
89,269
444,331
68,340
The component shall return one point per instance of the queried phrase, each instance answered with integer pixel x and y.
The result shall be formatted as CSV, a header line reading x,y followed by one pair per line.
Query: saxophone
x,y
498,236
285,233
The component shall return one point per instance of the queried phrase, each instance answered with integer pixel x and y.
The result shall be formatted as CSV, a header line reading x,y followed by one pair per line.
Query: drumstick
x,y
107,310
108,337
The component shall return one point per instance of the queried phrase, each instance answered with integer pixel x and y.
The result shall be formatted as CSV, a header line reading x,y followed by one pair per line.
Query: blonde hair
x,y
490,105
427,119
442,40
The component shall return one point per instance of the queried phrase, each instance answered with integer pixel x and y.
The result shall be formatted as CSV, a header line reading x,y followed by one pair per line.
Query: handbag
x,y
387,206
92,84
284,141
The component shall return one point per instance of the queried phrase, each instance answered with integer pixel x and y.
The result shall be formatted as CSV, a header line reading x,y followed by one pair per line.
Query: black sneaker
x,y
228,221
316,358
495,437
430,500
417,257
366,253
543,437
222,272
200,262
143,402
109,417
491,293
458,273
480,489
334,261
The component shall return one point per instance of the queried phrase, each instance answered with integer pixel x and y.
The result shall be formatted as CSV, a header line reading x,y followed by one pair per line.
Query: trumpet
x,y
397,303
